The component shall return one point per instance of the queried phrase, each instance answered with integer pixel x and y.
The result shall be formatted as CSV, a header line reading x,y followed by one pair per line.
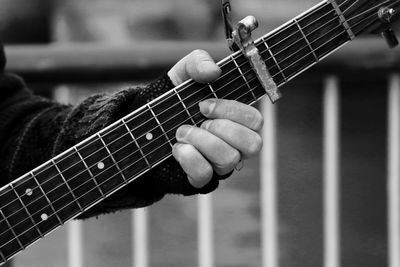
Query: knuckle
x,y
198,52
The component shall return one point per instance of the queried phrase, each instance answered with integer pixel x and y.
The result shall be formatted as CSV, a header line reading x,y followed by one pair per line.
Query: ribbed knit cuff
x,y
99,111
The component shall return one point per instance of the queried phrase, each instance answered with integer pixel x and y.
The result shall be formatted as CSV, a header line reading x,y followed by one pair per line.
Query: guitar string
x,y
221,77
246,93
65,206
370,18
231,70
372,9
137,151
240,86
243,85
127,134
103,181
240,65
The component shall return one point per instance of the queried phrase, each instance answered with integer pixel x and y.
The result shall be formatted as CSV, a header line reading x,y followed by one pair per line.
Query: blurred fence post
x,y
393,183
331,172
269,205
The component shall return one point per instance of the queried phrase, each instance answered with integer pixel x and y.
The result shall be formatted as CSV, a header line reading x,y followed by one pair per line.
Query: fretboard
x,y
74,181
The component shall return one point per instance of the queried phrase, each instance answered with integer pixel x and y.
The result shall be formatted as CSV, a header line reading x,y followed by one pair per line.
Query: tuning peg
x,y
390,38
386,14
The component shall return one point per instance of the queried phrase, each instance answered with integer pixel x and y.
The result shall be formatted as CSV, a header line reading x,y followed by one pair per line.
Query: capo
x,y
239,38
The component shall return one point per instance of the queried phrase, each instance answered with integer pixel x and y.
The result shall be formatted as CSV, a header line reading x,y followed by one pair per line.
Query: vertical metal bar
x,y
74,228
75,248
393,184
140,245
205,233
331,172
269,205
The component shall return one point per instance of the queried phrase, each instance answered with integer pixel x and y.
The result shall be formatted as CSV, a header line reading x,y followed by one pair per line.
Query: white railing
x,y
269,204
394,171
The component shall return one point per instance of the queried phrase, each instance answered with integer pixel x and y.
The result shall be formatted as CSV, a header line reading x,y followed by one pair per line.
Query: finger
x,y
247,141
198,65
234,111
197,168
220,154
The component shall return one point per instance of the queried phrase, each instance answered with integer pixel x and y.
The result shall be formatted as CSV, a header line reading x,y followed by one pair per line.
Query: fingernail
x,y
182,132
175,147
206,124
207,106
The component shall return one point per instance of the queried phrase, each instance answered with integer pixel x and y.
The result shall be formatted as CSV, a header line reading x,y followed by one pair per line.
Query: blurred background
x,y
69,49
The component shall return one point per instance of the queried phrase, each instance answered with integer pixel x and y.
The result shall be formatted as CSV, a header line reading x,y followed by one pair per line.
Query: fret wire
x,y
154,150
306,39
112,158
285,27
12,230
264,42
273,58
162,128
136,143
129,131
26,210
338,26
342,19
313,11
212,90
184,106
90,172
69,188
47,199
2,256
244,77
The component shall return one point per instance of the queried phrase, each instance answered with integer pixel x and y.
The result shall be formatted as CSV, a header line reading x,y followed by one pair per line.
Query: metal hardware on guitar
x,y
239,38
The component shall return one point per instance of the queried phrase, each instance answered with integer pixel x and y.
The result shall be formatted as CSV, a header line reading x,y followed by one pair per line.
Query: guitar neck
x,y
71,183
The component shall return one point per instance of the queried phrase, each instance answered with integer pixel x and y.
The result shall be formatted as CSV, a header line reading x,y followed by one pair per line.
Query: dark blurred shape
x,y
23,21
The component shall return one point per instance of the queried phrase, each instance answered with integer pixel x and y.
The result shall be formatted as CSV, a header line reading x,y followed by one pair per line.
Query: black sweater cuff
x,y
99,111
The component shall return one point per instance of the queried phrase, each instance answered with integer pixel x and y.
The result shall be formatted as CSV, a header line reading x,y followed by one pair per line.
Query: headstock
x,y
372,16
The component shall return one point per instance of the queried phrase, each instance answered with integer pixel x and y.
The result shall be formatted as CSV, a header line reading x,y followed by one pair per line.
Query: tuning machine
x,y
386,15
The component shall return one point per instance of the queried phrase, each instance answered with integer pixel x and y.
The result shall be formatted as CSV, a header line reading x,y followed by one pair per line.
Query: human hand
x,y
221,142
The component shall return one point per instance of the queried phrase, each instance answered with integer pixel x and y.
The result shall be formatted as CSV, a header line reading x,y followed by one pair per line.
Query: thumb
x,y
197,65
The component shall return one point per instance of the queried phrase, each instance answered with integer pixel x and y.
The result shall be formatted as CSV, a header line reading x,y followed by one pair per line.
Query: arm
x,y
34,129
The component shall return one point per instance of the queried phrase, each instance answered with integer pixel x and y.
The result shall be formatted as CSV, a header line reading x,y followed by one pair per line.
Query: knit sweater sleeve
x,y
34,129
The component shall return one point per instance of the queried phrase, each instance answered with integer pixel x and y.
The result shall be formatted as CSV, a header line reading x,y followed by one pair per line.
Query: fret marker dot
x,y
100,165
44,216
29,192
149,136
